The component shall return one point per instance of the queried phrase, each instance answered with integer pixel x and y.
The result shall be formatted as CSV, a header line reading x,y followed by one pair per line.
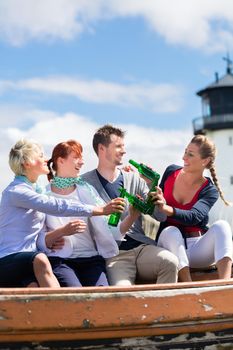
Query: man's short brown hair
x,y
103,136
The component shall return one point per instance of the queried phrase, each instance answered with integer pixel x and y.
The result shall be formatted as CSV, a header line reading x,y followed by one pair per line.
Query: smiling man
x,y
139,260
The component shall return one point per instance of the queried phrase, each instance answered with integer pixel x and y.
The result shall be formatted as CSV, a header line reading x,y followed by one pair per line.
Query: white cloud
x,y
22,116
163,98
206,25
157,148
154,147
24,20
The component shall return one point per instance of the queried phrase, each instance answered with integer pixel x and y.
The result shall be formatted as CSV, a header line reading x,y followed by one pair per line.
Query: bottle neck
x,y
132,162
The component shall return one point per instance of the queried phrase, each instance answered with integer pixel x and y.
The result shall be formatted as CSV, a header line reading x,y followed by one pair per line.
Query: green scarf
x,y
64,182
35,185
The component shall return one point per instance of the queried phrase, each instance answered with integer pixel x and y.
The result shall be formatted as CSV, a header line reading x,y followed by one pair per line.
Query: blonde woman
x,y
22,216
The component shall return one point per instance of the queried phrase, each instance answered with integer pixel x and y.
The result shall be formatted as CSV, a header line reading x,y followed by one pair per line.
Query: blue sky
x,y
69,66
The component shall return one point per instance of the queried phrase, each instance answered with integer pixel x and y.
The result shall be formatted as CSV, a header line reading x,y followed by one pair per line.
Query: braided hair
x,y
207,149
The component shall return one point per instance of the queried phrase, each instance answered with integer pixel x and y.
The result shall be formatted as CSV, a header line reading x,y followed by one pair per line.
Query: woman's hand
x,y
55,239
76,226
158,198
116,205
58,244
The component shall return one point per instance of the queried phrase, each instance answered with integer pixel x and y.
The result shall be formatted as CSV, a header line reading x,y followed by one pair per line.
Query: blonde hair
x,y
207,149
23,151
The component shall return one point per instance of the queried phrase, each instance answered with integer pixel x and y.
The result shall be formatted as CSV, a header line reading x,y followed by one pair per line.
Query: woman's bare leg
x,y
224,268
43,272
33,285
184,275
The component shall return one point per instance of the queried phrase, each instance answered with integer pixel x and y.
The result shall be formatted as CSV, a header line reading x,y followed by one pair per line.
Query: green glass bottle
x,y
153,176
144,170
115,217
137,202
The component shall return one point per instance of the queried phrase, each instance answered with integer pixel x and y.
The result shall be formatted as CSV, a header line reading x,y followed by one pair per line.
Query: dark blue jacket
x,y
198,215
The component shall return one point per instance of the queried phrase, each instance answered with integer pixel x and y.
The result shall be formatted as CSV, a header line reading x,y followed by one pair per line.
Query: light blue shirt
x,y
22,215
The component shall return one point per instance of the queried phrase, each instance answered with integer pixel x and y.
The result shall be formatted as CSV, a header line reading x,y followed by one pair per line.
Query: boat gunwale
x,y
114,289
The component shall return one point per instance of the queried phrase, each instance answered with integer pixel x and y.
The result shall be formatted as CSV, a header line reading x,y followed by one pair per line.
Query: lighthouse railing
x,y
213,122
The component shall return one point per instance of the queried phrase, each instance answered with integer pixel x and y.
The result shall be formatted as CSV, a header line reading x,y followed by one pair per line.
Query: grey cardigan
x,y
134,185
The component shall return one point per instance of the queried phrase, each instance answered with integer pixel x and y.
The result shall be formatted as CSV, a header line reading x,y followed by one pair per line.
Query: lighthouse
x,y
216,122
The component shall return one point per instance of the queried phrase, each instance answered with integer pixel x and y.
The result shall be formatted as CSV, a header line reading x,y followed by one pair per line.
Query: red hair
x,y
63,149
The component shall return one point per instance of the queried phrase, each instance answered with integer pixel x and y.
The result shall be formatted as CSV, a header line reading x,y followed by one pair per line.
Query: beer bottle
x,y
144,170
153,176
115,217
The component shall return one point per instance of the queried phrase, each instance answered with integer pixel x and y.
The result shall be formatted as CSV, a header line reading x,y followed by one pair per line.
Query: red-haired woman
x,y
77,248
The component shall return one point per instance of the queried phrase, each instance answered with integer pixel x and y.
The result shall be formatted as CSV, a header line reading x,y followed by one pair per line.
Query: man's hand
x,y
133,212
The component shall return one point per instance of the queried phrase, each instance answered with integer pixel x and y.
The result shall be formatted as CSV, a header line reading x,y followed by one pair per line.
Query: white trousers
x,y
201,251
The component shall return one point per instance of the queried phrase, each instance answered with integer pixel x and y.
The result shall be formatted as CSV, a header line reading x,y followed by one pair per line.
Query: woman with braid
x,y
186,197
